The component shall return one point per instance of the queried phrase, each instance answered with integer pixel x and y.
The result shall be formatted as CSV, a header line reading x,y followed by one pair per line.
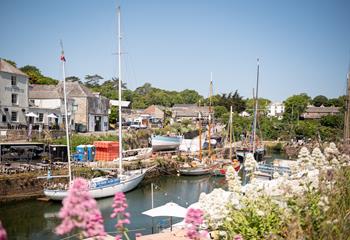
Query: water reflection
x,y
37,220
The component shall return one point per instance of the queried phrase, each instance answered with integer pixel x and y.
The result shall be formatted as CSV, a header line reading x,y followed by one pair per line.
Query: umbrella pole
x,y
152,226
171,224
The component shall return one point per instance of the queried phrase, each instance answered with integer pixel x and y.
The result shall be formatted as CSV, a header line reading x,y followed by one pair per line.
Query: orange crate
x,y
106,150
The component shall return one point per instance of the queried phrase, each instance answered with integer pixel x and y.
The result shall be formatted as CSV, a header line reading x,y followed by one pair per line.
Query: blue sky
x,y
304,46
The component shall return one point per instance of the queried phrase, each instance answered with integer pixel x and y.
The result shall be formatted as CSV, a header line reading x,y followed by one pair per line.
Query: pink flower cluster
x,y
80,211
3,234
193,219
119,212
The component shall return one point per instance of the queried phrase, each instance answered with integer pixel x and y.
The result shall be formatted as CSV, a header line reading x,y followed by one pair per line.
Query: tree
x,y
295,106
219,111
10,62
333,121
190,96
35,76
92,80
262,102
73,79
320,100
231,99
144,89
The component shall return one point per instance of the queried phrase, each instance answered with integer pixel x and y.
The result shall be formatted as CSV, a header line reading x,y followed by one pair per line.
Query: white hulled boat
x,y
160,143
102,186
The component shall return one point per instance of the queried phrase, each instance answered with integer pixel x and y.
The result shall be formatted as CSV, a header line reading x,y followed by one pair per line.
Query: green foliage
x,y
262,104
333,121
320,100
92,80
35,76
295,106
228,100
113,116
73,79
10,62
219,111
258,219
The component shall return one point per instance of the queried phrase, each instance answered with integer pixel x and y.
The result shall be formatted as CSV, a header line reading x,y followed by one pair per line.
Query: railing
x,y
271,169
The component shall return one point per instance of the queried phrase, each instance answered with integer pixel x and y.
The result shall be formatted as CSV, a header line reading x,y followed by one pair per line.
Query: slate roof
x,y
74,89
6,67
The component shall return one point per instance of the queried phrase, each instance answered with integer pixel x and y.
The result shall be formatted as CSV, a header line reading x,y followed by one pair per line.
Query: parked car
x,y
137,125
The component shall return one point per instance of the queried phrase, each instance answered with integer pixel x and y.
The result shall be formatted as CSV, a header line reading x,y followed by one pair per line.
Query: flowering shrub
x,y
80,212
3,234
119,212
258,219
311,203
193,219
233,180
250,164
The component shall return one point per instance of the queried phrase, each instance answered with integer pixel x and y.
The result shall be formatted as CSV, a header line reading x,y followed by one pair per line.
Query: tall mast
x,y
230,132
120,94
256,104
209,117
347,112
63,60
200,135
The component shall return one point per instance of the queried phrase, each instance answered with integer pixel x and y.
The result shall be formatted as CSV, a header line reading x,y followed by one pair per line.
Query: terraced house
x,y
13,96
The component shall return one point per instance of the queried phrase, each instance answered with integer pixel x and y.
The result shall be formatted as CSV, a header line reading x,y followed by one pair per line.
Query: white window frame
x,y
42,118
16,102
14,113
13,80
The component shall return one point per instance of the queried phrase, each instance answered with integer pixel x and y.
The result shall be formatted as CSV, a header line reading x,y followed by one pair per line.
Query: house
x,y
244,114
189,111
47,103
85,107
275,109
155,111
313,112
13,96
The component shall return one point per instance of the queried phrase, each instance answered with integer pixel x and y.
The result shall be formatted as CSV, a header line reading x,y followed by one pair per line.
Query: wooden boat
x,y
160,143
195,168
136,154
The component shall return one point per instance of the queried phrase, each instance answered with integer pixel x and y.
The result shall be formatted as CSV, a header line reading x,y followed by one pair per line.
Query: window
x,y
14,116
14,99
41,117
4,118
13,81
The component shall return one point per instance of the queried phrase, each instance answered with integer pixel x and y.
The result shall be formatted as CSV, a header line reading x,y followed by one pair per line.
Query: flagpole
x,y
65,111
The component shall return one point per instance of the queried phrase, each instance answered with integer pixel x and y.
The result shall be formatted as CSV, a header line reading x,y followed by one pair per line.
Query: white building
x,y
13,95
275,109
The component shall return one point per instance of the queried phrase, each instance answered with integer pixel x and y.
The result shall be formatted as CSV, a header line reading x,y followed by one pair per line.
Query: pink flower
x,y
193,219
138,235
80,211
119,212
3,234
238,237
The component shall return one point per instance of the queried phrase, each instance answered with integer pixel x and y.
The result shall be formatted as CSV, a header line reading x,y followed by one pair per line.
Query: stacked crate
x,y
106,150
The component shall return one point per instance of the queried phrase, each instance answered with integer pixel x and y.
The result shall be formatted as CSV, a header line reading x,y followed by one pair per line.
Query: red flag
x,y
63,58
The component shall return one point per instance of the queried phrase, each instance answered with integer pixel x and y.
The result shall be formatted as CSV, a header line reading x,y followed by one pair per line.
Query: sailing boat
x,y
198,166
101,187
257,150
222,165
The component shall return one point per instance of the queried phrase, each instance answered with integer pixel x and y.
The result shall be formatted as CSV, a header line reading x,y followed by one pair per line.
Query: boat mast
x,y
120,94
347,112
209,117
66,111
200,134
256,105
230,132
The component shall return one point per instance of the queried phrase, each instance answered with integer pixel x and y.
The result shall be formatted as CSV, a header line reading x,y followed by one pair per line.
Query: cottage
x,y
189,111
47,103
275,109
84,107
313,112
13,95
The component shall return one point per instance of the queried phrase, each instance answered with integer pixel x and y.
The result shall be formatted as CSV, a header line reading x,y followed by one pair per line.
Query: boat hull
x,y
124,185
160,143
194,171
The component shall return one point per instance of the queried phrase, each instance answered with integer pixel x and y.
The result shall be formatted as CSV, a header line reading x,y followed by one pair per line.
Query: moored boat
x,y
160,143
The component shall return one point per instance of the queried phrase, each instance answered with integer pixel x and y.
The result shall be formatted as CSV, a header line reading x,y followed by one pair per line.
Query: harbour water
x,y
37,220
